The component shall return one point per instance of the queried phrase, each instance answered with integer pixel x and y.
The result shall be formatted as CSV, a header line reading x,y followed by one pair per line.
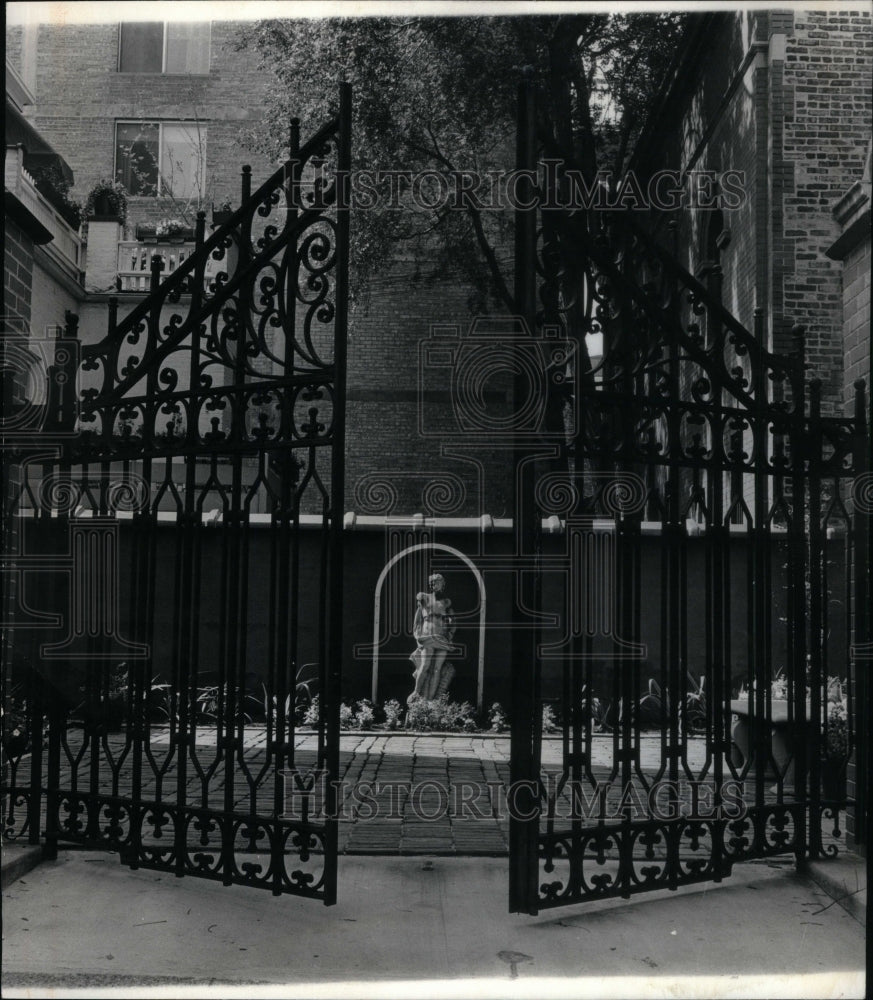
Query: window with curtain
x,y
159,47
160,158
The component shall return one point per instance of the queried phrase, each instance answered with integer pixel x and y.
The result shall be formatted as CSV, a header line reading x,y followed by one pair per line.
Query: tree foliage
x,y
439,94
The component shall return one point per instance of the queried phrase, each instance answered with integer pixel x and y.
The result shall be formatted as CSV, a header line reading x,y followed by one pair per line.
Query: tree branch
x,y
475,215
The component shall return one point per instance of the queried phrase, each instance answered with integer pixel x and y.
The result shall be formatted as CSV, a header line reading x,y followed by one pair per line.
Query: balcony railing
x,y
135,262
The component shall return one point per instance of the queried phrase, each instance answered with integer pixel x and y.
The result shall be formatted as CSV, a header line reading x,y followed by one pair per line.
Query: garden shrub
x,y
441,714
393,714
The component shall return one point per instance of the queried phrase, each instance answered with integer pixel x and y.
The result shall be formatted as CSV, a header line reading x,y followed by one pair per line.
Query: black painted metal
x,y
210,416
692,430
523,822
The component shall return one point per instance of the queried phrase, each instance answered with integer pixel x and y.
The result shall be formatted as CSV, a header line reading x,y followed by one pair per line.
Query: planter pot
x,y
106,207
781,740
147,232
219,218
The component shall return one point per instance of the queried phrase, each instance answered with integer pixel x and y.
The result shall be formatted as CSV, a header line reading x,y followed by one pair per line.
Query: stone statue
x,y
433,630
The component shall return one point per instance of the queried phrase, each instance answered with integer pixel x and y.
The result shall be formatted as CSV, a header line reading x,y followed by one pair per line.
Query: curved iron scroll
x,y
234,350
197,504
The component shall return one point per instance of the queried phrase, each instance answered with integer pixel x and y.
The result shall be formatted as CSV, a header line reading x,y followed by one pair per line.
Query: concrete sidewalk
x,y
85,922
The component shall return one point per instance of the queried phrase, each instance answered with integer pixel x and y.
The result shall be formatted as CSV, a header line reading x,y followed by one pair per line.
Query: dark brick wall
x,y
366,555
707,126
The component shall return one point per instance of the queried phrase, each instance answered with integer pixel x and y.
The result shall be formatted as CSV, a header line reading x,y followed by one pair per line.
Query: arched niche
x,y
378,606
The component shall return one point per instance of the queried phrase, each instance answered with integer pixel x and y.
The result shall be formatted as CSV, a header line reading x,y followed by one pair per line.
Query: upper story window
x,y
160,158
163,47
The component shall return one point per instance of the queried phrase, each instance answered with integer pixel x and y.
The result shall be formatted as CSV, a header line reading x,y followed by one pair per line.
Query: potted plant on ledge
x,y
55,188
107,200
173,230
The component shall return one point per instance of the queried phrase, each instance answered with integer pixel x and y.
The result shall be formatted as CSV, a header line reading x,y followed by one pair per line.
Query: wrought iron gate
x,y
185,524
702,476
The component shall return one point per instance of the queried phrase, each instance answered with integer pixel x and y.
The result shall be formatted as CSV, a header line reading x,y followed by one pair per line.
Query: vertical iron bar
x,y
36,711
337,488
759,540
185,597
718,666
816,551
674,535
523,831
797,600
56,719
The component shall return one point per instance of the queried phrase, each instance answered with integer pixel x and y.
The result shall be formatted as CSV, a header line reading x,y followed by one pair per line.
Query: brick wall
x,y
80,96
387,411
18,275
13,47
828,64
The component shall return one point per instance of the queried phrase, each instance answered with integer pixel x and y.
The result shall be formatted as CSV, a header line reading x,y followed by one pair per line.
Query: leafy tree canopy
x,y
440,94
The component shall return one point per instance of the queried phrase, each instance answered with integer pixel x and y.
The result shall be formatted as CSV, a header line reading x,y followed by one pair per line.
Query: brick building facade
x,y
782,97
81,94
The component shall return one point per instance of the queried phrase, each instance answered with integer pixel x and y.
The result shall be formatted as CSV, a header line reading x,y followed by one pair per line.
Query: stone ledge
x,y
844,879
17,860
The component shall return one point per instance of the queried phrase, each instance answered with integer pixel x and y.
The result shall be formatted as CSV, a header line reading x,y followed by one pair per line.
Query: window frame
x,y
164,42
203,133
